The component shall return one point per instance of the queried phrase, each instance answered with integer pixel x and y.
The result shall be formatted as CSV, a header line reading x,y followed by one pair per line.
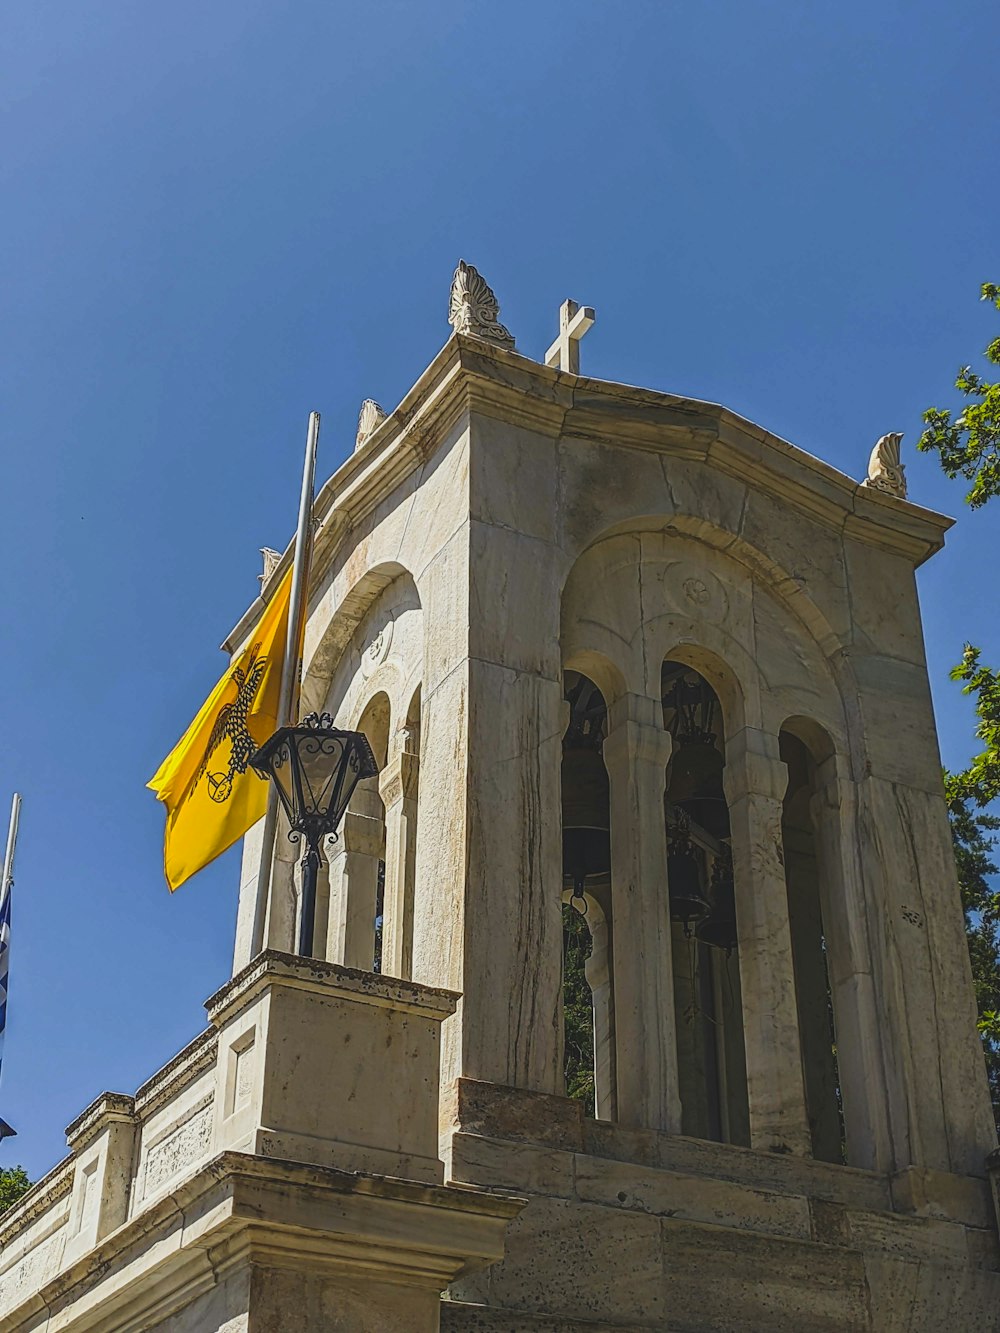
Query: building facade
x,y
635,668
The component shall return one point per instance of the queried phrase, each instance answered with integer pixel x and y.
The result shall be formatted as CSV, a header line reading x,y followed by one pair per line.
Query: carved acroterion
x,y
474,309
370,417
885,471
271,559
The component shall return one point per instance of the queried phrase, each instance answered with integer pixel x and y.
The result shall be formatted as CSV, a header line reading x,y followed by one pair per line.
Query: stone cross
x,y
574,321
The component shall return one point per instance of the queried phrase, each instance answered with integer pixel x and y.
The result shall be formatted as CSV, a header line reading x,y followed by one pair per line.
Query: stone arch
x,y
340,614
716,667
812,734
703,531
643,590
349,903
604,672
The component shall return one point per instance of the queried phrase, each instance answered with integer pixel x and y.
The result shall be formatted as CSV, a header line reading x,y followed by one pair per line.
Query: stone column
x,y
860,1054
636,751
102,1140
398,789
755,781
354,859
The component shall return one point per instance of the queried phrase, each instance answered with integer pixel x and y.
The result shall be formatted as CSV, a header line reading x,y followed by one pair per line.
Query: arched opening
x,y
814,997
398,785
711,1058
588,1010
357,860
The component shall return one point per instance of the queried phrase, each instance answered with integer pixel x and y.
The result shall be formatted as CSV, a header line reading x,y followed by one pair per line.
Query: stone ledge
x,y
322,978
464,1317
52,1187
494,1111
177,1073
284,1211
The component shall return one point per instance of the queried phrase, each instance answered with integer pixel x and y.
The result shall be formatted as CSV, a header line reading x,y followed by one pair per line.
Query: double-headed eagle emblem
x,y
231,724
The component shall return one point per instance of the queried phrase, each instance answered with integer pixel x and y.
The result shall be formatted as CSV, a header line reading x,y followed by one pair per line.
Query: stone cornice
x,y
44,1193
320,977
470,376
176,1074
237,1204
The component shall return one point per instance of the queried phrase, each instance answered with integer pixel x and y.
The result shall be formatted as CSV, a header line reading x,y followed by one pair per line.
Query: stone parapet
x,y
701,1235
281,1171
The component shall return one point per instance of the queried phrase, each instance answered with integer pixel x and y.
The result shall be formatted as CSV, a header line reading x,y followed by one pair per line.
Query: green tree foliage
x,y
14,1183
973,826
578,1009
969,445
972,837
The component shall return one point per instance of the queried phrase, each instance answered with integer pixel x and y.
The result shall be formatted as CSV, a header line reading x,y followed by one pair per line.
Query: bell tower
x,y
640,996
641,673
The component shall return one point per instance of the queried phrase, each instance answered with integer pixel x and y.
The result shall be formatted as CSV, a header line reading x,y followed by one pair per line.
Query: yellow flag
x,y
211,793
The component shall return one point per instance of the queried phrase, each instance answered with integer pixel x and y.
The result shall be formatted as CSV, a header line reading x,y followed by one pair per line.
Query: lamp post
x,y
315,768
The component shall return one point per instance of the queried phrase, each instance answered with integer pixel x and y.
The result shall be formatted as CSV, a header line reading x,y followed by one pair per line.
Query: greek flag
x,y
6,884
4,957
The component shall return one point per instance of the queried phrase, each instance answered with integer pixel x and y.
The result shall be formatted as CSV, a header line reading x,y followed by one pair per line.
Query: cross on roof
x,y
574,321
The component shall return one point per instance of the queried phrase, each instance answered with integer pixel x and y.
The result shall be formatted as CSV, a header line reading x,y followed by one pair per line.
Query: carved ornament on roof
x,y
474,309
885,472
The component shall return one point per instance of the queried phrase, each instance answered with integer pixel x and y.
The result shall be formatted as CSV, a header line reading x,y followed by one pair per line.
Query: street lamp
x,y
315,768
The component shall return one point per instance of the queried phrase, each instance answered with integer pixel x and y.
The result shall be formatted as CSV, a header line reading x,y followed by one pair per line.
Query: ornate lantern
x,y
315,768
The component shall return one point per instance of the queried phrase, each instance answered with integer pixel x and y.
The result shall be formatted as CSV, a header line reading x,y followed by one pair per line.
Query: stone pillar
x,y
636,751
859,1024
102,1140
398,789
755,781
275,1100
939,1103
353,881
282,903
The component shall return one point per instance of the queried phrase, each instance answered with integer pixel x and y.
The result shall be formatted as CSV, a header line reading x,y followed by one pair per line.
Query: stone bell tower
x,y
786,1124
646,683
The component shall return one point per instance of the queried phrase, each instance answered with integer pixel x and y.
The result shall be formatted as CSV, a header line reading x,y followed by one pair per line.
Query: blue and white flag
x,y
4,957
6,885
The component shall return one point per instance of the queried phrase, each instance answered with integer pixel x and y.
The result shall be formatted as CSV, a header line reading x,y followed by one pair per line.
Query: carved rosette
x,y
885,472
370,418
474,309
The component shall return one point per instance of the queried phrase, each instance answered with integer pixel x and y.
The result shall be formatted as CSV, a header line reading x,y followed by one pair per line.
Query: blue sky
x,y
220,216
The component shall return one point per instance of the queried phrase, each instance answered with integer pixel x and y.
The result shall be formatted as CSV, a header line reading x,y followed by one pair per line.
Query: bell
x,y
719,928
687,901
695,770
586,818
710,813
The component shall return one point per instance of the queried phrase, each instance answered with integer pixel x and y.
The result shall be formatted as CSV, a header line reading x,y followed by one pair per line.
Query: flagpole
x,y
291,671
8,860
6,1131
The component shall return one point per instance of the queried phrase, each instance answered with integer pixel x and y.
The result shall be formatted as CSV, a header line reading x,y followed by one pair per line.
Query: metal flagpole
x,y
5,887
291,671
8,860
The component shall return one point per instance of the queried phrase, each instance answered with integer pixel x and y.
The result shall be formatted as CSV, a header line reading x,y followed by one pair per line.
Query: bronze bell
x,y
687,901
695,769
586,817
719,928
710,813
